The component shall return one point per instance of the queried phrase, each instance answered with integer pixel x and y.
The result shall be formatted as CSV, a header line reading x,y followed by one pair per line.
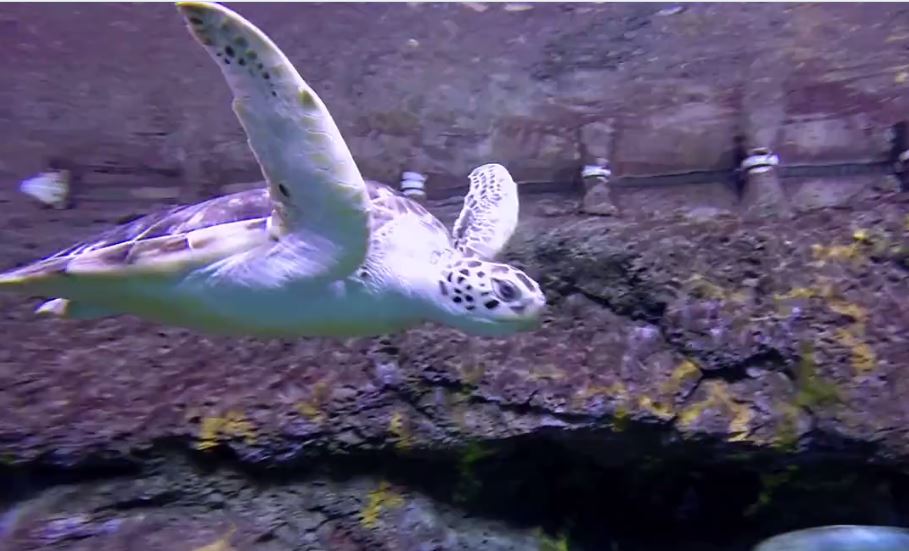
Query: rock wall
x,y
720,379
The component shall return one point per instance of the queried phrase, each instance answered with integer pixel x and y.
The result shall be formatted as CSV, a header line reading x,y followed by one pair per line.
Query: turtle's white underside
x,y
344,307
339,308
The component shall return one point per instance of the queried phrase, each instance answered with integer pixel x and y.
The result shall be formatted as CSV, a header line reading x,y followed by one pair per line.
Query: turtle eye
x,y
506,290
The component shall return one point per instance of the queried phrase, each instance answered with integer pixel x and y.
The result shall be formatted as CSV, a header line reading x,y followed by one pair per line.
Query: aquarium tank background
x,y
714,206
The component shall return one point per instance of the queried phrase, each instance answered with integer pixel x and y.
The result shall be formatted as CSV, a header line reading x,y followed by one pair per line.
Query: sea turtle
x,y
319,252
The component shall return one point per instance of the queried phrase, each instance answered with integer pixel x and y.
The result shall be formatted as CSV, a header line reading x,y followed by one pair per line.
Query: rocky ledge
x,y
700,382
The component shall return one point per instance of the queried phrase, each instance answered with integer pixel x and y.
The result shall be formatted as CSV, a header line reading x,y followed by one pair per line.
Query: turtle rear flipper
x,y
65,308
32,276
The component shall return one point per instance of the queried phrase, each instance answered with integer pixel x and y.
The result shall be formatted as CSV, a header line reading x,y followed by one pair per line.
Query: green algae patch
x,y
770,485
811,390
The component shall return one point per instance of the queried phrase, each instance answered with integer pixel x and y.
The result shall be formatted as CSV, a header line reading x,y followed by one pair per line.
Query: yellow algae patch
x,y
739,424
796,293
718,396
400,429
221,544
702,288
663,407
380,498
310,411
851,310
233,424
684,371
863,357
823,290
656,407
875,243
851,252
313,407
861,235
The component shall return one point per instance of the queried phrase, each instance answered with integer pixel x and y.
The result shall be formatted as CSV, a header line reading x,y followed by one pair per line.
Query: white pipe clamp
x,y
413,184
760,160
595,171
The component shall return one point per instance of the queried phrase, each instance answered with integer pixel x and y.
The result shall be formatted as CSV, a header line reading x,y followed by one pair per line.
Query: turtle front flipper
x,y
319,195
489,215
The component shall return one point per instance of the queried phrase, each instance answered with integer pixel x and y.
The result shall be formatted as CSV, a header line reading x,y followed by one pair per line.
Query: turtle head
x,y
489,298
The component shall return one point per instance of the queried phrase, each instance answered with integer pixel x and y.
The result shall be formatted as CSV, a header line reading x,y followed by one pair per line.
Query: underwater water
x,y
713,200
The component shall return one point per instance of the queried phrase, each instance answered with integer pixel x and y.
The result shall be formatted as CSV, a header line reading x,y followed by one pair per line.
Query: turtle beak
x,y
532,305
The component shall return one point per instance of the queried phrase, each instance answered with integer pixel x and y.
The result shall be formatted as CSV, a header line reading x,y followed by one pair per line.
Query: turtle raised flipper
x,y
490,213
319,194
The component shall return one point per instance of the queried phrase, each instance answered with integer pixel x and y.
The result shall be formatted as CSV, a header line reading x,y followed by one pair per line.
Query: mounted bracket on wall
x,y
762,194
597,197
899,153
413,185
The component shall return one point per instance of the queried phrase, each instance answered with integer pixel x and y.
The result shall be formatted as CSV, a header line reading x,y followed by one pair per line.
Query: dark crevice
x,y
595,490
525,407
731,374
652,313
159,499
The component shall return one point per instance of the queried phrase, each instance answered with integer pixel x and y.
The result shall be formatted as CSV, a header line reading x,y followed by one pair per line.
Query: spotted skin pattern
x,y
490,213
472,285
